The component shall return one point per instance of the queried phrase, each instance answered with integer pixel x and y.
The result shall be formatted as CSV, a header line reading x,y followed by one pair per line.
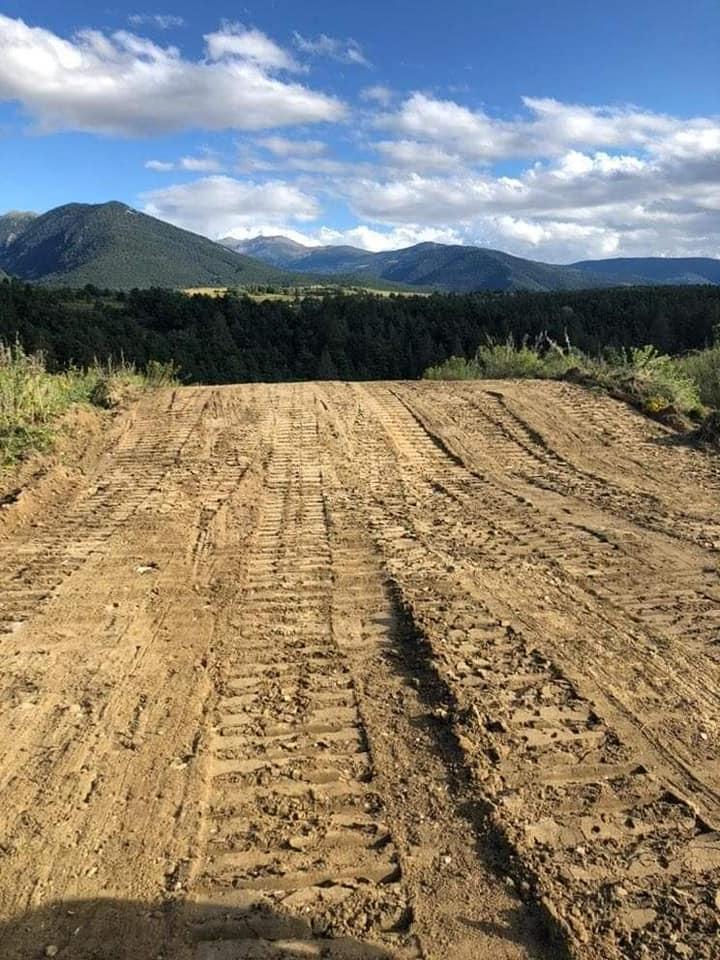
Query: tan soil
x,y
362,671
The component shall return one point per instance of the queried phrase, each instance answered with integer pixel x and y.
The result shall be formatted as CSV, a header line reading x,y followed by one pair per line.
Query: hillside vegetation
x,y
434,265
114,246
462,268
672,270
12,225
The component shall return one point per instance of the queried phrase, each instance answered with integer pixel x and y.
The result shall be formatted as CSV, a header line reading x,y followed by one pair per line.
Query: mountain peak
x,y
112,245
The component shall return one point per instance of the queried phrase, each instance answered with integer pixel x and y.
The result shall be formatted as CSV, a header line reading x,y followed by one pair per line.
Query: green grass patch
x,y
32,398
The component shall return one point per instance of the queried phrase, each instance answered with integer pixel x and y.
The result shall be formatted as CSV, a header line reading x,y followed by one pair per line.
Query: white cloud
x,y
284,147
551,129
417,156
580,204
344,51
123,84
378,94
368,238
219,205
235,40
598,180
206,163
298,156
163,21
160,166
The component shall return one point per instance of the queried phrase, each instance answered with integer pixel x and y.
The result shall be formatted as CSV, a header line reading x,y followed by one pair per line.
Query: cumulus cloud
x,y
203,164
362,236
598,180
163,21
374,240
235,40
123,84
417,156
218,205
581,205
344,51
551,128
293,155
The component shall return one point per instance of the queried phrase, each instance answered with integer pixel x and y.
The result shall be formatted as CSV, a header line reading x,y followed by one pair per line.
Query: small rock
x,y
51,950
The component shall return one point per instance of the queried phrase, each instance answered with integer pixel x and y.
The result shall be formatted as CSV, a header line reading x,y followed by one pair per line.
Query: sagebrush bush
x,y
703,368
656,380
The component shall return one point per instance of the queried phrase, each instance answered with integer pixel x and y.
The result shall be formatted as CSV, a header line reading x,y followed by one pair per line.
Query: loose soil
x,y
409,670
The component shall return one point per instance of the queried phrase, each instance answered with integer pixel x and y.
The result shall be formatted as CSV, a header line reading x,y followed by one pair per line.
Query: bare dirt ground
x,y
362,671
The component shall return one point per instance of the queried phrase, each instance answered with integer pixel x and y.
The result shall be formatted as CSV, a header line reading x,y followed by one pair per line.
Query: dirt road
x,y
363,671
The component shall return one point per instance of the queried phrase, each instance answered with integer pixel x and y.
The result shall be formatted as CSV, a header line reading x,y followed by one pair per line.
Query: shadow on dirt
x,y
109,929
411,658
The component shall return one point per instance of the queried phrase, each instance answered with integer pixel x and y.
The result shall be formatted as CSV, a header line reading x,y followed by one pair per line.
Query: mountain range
x,y
113,245
455,267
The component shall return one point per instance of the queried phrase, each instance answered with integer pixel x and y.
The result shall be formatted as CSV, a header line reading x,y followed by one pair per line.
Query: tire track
x,y
297,850
129,481
619,856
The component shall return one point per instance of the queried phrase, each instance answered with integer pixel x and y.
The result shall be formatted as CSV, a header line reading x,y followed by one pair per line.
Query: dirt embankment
x,y
362,671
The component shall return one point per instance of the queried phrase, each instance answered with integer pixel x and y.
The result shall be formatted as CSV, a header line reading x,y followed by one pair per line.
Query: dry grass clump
x,y
32,397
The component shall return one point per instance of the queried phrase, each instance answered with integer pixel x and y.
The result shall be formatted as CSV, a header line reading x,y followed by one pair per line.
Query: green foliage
x,y
656,379
454,368
651,380
703,368
32,398
234,338
506,360
161,374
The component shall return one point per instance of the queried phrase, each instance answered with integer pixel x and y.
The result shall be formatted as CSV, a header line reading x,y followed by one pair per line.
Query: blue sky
x,y
556,130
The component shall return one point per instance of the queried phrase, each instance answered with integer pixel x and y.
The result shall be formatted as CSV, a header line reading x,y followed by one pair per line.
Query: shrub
x,y
656,380
159,374
454,368
499,361
656,383
703,367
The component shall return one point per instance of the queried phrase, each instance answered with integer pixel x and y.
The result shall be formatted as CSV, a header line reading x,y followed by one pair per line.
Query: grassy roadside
x,y
680,391
33,398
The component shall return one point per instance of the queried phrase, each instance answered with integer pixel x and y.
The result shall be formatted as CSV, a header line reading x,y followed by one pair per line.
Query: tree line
x,y
355,336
